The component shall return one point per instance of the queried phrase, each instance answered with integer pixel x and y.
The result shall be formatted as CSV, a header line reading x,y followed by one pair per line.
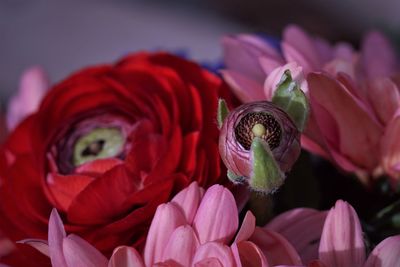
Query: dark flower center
x,y
259,124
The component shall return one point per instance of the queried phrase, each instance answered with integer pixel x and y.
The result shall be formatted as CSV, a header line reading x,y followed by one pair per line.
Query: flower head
x,y
251,129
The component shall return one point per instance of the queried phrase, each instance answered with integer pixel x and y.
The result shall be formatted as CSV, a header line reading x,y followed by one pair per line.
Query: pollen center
x,y
258,124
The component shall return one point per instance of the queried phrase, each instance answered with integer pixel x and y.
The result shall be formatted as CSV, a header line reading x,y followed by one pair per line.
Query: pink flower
x,y
341,239
194,229
353,94
33,86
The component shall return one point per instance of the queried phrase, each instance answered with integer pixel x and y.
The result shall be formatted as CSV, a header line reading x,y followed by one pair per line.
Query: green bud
x,y
223,112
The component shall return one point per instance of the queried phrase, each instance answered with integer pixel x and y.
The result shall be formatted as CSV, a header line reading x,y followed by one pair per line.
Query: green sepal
x,y
289,97
223,112
237,179
266,174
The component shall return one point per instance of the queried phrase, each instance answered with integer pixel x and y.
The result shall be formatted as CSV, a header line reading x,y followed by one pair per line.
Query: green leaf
x,y
223,112
289,97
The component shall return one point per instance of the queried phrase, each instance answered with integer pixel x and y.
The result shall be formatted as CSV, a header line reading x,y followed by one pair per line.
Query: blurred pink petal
x,y
78,252
348,129
214,250
6,245
167,218
244,88
275,77
247,228
384,96
39,244
241,54
386,253
344,51
390,147
217,216
297,46
181,246
210,262
56,236
377,56
251,255
125,257
337,66
189,200
342,241
302,227
275,247
32,88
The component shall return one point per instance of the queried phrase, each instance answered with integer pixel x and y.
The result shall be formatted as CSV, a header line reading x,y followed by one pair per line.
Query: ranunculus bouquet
x,y
152,161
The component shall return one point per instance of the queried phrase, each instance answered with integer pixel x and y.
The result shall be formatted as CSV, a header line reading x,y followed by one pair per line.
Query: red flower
x,y
107,146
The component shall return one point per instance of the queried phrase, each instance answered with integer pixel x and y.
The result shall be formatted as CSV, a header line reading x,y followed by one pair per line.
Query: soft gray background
x,y
65,35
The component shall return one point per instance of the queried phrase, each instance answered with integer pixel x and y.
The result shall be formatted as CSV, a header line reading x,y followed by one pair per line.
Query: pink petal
x,y
344,51
124,256
210,262
384,96
78,252
33,86
337,66
349,130
6,245
182,246
251,255
242,53
342,241
386,253
214,250
189,200
377,56
390,147
302,227
247,228
244,88
41,245
275,76
56,236
217,216
323,49
275,247
167,218
297,46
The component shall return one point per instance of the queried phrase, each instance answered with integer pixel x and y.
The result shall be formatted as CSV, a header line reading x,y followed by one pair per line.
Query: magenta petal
x,y
275,247
302,227
342,241
56,236
349,131
377,56
41,245
390,147
182,246
251,255
167,218
79,252
217,216
211,262
126,257
189,200
247,228
386,253
214,250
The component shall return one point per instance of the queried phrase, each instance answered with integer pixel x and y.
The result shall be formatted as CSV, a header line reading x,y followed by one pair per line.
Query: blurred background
x,y
66,35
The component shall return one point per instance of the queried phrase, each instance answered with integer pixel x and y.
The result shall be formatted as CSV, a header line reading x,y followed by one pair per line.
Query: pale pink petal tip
x,y
342,241
217,205
33,86
125,257
41,245
189,200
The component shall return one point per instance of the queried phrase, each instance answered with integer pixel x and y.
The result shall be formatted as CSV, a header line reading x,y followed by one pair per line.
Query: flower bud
x,y
258,143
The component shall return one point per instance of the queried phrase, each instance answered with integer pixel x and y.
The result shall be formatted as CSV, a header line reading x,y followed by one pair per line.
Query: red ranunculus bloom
x,y
107,146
